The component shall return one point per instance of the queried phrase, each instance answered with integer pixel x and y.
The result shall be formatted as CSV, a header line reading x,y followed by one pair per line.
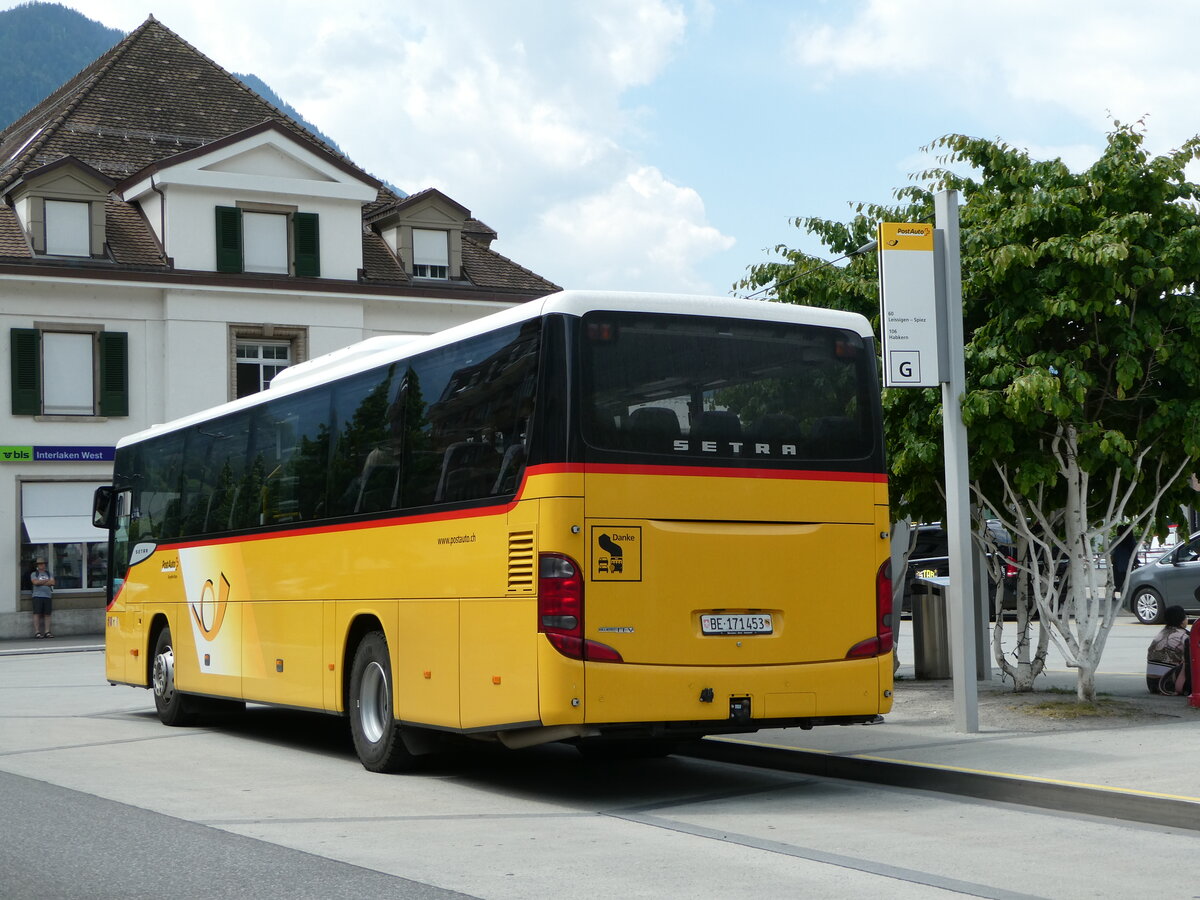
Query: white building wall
x,y
179,362
192,234
131,308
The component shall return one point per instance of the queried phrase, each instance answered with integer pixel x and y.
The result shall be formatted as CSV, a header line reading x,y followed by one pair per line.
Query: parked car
x,y
931,558
1170,580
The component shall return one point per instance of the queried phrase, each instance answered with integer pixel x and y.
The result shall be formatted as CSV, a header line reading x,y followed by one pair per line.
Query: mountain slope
x,y
42,45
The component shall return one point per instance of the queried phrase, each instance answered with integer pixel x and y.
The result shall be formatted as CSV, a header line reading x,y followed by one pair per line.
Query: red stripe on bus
x,y
499,509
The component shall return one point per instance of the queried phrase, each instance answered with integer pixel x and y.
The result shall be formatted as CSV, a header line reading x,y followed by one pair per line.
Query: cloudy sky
x,y
666,144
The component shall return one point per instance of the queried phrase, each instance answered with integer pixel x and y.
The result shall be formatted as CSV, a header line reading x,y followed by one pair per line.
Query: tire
x,y
1147,606
174,707
377,739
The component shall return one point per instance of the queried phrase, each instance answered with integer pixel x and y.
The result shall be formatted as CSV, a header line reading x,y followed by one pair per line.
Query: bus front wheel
x,y
173,706
377,738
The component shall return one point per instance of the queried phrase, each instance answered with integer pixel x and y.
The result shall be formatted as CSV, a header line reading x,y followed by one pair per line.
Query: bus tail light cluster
x,y
560,610
884,638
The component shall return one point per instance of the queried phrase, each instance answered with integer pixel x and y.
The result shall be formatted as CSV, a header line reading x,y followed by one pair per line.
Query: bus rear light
x,y
560,610
598,652
884,638
560,603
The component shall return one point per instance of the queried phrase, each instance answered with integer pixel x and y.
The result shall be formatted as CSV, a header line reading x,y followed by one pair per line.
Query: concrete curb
x,y
1043,793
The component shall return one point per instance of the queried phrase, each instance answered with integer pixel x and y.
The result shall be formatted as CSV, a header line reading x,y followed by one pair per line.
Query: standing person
x,y
43,591
1167,670
1122,554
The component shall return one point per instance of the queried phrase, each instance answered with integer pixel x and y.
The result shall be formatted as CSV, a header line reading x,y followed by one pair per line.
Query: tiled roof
x,y
485,266
379,260
12,236
153,96
130,239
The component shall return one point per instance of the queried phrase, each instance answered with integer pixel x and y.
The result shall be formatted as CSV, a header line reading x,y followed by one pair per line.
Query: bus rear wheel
x,y
174,707
376,734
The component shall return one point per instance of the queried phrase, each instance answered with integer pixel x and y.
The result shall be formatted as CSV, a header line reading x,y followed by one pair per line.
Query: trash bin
x,y
931,635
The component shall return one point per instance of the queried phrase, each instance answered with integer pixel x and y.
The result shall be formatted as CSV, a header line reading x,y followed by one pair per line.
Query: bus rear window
x,y
728,389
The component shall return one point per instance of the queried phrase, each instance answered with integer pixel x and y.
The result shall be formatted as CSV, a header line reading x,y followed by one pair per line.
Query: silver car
x,y
1171,580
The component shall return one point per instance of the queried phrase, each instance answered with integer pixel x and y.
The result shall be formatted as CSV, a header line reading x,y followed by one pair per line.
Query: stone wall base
x,y
19,625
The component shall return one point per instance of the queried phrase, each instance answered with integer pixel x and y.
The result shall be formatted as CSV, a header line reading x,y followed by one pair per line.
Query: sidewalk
x,y
64,643
1132,762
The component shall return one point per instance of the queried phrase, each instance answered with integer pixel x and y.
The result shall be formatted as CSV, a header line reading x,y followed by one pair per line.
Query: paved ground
x,y
1029,736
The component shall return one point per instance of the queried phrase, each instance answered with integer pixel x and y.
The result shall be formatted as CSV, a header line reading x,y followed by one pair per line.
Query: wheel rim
x,y
374,708
164,675
1146,607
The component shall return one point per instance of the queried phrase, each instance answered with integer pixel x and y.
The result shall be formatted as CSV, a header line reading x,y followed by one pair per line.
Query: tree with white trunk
x,y
1082,346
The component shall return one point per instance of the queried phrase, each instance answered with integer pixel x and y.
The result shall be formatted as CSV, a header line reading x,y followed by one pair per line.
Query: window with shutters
x,y
63,370
269,240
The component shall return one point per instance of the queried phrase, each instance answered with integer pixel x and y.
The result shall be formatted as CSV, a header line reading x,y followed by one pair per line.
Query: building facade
x,y
170,241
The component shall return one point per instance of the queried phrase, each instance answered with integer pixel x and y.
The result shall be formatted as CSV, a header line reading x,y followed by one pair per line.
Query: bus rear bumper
x,y
739,698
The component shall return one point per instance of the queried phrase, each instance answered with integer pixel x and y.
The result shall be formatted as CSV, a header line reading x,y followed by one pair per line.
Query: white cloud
x,y
516,110
1088,59
642,231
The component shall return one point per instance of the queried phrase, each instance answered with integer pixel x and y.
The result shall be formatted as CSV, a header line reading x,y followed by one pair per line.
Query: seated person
x,y
1167,669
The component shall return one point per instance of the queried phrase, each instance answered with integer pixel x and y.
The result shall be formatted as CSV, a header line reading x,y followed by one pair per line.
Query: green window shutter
x,y
26,346
306,235
229,239
114,373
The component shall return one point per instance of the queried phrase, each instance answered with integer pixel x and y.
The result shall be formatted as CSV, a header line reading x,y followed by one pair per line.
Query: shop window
x,y
56,523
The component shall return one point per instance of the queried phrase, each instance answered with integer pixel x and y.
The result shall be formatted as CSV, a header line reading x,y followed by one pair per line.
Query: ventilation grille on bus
x,y
521,561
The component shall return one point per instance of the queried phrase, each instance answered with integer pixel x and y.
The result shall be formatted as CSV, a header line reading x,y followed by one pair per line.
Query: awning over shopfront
x,y
59,512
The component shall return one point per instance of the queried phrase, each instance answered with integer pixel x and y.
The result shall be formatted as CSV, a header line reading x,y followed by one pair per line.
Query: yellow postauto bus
x,y
615,519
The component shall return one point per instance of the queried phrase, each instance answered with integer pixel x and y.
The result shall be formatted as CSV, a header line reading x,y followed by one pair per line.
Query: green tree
x,y
1082,350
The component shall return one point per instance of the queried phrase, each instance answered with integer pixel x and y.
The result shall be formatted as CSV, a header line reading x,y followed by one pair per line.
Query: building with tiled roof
x,y
168,241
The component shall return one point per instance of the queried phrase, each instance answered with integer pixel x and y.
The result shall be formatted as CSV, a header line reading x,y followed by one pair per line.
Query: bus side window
x,y
361,479
158,500
470,442
293,432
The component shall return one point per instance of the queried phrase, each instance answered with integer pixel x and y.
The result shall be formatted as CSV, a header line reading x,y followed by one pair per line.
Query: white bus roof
x,y
382,350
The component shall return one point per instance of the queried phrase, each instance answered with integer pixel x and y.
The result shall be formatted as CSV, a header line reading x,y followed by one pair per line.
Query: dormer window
x,y
431,253
425,232
61,207
68,228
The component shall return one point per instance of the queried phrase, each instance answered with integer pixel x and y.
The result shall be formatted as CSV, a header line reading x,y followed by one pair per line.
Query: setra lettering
x,y
735,448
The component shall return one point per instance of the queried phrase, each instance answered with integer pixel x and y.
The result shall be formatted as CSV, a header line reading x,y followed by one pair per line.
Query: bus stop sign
x,y
908,305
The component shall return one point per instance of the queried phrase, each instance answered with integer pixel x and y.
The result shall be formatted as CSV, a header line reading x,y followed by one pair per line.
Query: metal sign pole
x,y
958,512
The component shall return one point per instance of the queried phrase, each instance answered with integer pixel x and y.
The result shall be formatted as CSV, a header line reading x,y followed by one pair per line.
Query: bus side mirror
x,y
102,506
